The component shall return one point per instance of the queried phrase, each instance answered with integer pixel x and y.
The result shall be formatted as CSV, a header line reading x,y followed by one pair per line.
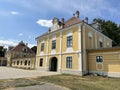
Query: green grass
x,y
70,81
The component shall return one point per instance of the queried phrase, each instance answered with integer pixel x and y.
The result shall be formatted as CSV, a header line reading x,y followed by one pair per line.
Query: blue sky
x,y
27,19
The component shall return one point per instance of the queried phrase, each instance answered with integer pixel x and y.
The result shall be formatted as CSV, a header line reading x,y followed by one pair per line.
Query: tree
x,y
34,49
110,29
2,51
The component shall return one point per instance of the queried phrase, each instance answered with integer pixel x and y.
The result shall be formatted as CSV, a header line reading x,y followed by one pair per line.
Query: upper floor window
x,y
53,44
90,39
90,42
69,41
101,44
68,62
42,46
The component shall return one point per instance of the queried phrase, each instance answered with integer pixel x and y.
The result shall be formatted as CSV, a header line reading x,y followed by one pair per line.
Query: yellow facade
x,y
74,59
110,64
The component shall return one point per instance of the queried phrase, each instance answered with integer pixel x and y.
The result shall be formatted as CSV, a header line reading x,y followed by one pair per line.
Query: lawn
x,y
70,81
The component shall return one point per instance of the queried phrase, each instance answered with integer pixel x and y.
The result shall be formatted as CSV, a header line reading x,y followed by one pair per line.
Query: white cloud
x,y
14,13
44,23
20,34
7,43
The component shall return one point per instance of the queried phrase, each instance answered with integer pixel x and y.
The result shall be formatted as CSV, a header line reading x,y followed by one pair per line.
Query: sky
x,y
24,20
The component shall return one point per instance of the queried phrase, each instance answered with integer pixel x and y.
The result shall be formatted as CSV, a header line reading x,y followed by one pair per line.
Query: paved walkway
x,y
46,86
12,73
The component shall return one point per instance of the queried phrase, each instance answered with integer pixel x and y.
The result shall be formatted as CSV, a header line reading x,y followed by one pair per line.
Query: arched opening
x,y
53,64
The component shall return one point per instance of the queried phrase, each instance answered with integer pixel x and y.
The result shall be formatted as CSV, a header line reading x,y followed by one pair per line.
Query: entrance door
x,y
53,64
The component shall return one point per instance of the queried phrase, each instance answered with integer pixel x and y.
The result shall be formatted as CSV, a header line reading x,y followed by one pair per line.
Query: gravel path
x,y
46,86
13,73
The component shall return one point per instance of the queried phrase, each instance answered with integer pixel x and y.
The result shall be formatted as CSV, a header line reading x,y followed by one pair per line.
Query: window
x,y
99,59
90,42
69,62
42,46
53,44
25,50
69,41
25,62
41,62
17,62
101,44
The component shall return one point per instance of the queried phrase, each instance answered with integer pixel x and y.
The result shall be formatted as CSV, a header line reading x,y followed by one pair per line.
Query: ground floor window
x,y
17,62
68,62
25,62
99,59
41,62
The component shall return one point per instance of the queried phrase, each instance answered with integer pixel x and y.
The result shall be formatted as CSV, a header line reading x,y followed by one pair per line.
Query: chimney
x,y
86,20
49,30
63,20
77,14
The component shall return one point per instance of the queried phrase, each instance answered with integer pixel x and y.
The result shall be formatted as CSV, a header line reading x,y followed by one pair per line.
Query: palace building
x,y
74,46
21,56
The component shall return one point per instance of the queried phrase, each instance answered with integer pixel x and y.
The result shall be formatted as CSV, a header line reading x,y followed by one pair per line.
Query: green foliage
x,y
34,49
2,51
110,29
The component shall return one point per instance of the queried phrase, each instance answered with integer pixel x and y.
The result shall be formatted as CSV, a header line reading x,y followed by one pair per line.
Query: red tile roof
x,y
69,22
72,21
20,47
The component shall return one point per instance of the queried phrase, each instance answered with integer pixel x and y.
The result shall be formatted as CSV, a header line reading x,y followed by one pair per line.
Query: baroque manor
x,y
76,47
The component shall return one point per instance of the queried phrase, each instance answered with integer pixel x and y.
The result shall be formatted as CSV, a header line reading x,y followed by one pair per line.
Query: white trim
x,y
96,40
93,29
42,53
84,50
79,49
60,56
74,52
42,41
90,34
69,33
69,49
54,37
104,42
113,74
53,51
103,53
101,39
47,53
